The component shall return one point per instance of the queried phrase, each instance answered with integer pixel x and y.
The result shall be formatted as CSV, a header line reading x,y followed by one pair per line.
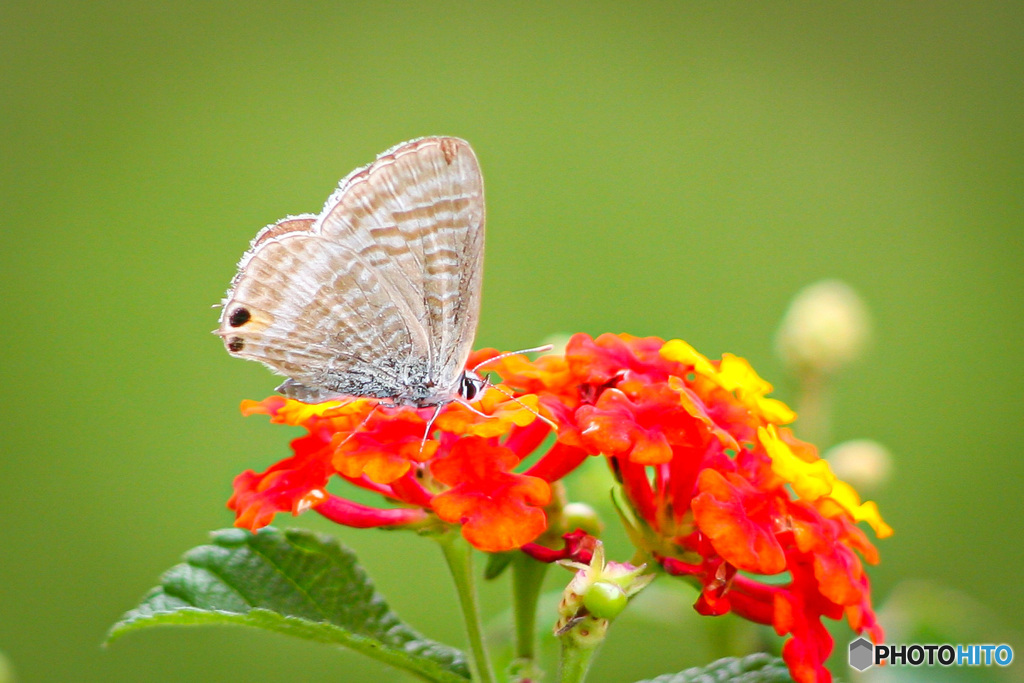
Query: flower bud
x,y
826,327
596,594
864,464
605,600
583,516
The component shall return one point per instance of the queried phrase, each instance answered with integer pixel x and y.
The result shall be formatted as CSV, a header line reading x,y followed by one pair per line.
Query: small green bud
x,y
605,600
597,593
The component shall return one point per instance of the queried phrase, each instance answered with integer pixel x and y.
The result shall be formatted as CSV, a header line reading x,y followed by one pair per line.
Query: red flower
x,y
738,522
715,486
285,486
464,474
497,508
707,472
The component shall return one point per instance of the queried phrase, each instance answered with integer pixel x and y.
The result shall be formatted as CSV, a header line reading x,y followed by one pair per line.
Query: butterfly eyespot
x,y
239,317
236,344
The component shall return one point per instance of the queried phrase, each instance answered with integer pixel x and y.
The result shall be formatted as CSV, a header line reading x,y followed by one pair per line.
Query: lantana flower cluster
x,y
715,487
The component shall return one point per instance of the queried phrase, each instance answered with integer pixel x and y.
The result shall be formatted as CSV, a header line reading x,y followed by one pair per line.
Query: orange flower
x,y
462,474
498,509
708,471
714,485
738,523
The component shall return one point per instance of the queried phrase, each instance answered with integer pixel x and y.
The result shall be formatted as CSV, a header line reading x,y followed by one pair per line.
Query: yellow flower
x,y
814,480
847,498
679,351
810,480
735,375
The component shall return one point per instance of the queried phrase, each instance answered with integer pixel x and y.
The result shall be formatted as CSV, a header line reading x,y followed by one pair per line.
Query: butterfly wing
x,y
417,216
380,294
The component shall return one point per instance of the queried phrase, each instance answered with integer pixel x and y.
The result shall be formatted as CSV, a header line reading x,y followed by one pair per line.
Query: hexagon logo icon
x,y
862,654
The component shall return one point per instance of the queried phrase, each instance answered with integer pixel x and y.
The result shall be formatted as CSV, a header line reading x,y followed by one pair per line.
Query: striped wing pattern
x,y
377,296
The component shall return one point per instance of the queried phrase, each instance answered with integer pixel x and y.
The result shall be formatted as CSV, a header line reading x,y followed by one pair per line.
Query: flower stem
x,y
459,556
814,406
527,580
575,661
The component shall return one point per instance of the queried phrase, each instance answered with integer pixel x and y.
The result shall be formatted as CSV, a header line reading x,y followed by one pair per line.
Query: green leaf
x,y
293,582
755,668
497,563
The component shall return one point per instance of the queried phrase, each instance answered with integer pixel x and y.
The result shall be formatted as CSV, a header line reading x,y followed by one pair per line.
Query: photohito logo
x,y
864,655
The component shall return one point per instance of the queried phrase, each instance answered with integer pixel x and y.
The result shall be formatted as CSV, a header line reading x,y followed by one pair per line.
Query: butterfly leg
x,y
430,423
359,426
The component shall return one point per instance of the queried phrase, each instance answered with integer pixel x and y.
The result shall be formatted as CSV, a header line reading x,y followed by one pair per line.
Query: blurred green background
x,y
664,169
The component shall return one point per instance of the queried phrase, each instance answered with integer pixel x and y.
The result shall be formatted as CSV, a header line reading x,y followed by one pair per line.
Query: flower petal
x,y
499,510
284,486
737,519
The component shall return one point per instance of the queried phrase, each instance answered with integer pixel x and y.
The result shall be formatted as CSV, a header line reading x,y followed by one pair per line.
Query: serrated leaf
x,y
295,582
755,668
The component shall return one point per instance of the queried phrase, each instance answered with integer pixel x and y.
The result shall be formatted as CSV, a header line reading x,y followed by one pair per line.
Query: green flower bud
x,y
596,594
605,600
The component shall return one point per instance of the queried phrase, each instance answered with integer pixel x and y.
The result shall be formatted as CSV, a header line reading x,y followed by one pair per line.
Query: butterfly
x,y
379,294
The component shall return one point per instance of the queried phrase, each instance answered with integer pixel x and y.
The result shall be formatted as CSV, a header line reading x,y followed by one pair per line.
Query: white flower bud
x,y
583,516
826,327
862,463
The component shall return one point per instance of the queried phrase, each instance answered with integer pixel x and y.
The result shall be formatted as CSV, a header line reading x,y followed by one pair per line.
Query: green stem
x,y
814,406
575,661
459,556
527,580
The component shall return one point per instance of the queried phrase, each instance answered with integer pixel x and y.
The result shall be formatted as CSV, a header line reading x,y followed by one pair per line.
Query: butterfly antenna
x,y
512,396
487,382
536,349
